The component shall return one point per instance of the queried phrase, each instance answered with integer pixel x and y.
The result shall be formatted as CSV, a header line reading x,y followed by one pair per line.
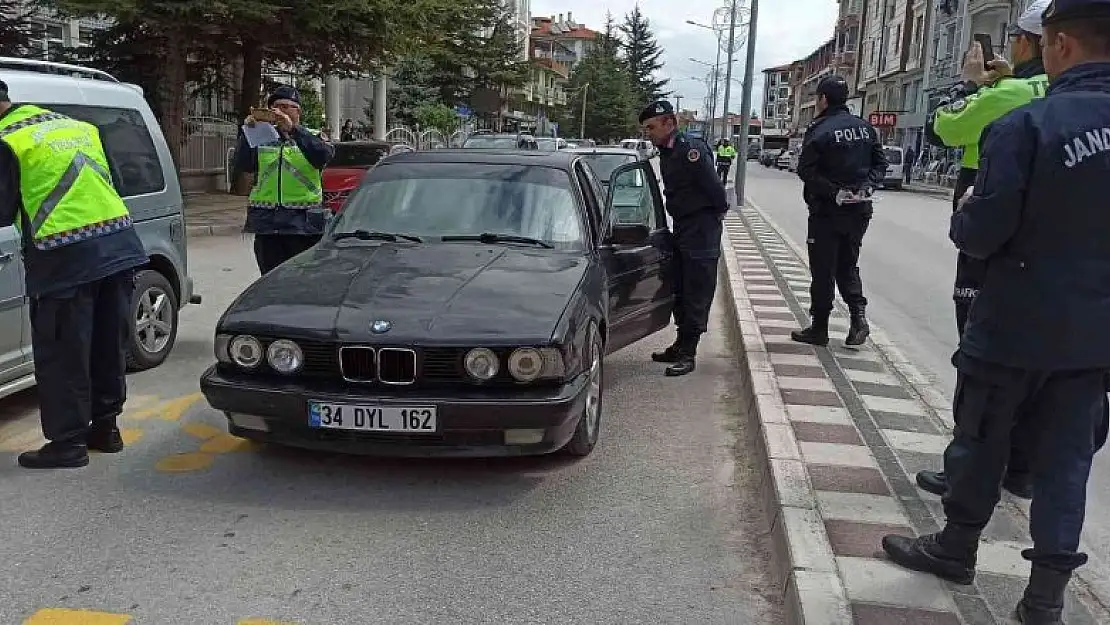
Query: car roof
x,y
44,82
606,150
559,159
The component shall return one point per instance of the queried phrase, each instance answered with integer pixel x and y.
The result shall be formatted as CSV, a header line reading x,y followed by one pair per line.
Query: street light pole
x,y
728,70
716,79
582,127
745,117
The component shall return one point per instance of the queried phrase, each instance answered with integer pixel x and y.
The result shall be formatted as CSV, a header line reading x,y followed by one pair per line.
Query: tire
x,y
151,342
588,430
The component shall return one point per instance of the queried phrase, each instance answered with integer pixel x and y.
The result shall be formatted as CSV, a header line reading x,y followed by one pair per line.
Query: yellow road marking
x,y
261,621
224,444
27,436
203,431
130,435
183,463
171,410
63,616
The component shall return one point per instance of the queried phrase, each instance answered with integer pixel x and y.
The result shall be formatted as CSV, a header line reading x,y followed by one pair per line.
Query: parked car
x,y
351,161
605,160
550,144
461,304
783,160
895,167
768,157
643,146
145,176
491,141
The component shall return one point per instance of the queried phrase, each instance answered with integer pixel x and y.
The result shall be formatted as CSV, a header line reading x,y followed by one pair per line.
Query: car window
x,y
499,143
893,157
445,199
604,164
132,158
549,145
357,155
632,199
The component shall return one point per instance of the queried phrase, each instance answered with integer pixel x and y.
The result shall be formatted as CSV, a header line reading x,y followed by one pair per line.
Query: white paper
x,y
260,133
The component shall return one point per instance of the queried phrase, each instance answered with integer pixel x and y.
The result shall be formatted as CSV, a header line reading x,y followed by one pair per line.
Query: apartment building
x,y
837,56
778,101
892,60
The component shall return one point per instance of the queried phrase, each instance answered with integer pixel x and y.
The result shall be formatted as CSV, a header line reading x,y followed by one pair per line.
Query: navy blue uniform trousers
x,y
80,336
835,236
697,242
1064,413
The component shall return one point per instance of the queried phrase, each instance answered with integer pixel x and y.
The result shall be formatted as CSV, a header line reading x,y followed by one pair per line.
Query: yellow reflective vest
x,y
64,180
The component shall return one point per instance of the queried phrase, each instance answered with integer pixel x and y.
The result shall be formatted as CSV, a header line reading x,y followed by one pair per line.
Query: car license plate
x,y
370,418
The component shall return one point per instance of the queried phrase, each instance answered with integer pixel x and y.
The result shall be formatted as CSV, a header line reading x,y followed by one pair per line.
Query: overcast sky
x,y
786,30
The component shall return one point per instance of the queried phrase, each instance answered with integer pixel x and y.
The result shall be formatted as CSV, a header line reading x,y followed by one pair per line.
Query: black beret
x,y
284,92
655,109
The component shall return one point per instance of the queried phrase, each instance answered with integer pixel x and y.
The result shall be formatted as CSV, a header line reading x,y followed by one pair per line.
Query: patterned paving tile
x,y
810,398
810,432
872,614
861,540
847,479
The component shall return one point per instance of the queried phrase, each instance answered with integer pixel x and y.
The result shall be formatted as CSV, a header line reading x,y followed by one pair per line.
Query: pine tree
x,y
610,97
412,88
15,31
642,52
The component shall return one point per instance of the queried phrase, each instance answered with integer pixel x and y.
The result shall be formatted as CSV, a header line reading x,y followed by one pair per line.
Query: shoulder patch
x,y
693,155
956,106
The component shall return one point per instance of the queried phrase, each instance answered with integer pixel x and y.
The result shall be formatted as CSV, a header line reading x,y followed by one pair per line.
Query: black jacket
x,y
839,151
690,181
1038,217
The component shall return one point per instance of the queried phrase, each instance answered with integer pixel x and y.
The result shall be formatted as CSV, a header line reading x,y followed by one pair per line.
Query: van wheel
x,y
154,313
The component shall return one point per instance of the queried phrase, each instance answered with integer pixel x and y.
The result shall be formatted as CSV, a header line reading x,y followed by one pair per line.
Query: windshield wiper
x,y
492,237
368,235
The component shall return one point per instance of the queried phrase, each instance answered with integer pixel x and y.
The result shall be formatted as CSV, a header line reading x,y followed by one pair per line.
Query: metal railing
x,y
207,143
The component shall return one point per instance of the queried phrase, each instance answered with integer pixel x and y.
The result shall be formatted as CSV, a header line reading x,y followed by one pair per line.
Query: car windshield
x,y
497,143
357,155
431,200
604,164
893,157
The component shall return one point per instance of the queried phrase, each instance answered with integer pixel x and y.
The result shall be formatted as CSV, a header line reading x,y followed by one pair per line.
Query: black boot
x,y
105,437
669,355
949,554
858,331
685,363
1043,602
56,456
816,334
936,482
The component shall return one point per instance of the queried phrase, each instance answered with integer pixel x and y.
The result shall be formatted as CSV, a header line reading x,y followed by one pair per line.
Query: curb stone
x,y
213,231
804,568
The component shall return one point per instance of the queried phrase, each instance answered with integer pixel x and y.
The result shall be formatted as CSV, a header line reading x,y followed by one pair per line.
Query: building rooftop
x,y
558,28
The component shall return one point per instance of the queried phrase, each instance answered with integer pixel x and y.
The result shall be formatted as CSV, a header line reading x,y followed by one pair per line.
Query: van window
x,y
136,169
893,156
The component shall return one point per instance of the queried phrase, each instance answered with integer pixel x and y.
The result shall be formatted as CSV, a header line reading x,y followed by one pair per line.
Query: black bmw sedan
x,y
461,304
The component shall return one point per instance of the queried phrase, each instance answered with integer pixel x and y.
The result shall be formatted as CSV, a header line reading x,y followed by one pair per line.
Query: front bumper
x,y
473,424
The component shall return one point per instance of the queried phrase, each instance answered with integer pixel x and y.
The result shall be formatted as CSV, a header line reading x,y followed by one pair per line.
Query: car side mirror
x,y
629,234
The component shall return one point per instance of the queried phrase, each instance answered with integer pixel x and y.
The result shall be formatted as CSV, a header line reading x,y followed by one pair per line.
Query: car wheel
x,y
154,313
589,425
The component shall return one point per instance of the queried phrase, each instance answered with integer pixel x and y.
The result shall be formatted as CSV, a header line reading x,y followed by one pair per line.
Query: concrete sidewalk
x,y
929,189
214,214
844,432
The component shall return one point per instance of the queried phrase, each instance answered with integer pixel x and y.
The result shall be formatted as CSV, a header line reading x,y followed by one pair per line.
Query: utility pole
x,y
746,102
677,103
582,128
728,70
716,79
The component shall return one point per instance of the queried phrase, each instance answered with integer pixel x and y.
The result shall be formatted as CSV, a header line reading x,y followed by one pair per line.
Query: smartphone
x,y
985,43
263,115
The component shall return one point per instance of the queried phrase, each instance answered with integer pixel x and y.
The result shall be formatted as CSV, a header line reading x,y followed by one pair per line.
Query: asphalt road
x,y
662,524
908,265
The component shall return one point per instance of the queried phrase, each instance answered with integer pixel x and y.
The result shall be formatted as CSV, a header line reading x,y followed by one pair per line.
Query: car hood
x,y
432,292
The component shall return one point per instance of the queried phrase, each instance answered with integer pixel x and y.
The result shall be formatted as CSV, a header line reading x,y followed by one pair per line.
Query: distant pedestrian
x,y
842,159
347,132
697,203
1037,344
285,210
908,162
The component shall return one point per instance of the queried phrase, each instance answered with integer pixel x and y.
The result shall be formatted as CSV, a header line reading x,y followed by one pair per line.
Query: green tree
x,y
603,84
483,50
412,88
438,116
15,31
642,52
312,106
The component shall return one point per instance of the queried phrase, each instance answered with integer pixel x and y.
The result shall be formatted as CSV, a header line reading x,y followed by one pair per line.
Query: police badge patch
x,y
956,106
693,156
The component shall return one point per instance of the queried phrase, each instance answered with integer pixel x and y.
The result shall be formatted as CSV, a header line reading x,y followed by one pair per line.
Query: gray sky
x,y
787,30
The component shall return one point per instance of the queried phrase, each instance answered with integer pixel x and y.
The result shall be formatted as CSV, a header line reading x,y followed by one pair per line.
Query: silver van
x,y
146,178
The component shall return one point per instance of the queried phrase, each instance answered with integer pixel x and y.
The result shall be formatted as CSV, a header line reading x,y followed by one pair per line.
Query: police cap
x,y
1061,10
834,88
655,109
4,91
284,92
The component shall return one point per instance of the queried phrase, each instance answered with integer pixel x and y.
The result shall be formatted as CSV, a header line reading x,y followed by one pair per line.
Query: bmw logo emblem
x,y
381,326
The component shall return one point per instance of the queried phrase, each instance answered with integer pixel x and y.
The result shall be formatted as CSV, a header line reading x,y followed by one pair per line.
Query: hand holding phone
x,y
984,41
263,115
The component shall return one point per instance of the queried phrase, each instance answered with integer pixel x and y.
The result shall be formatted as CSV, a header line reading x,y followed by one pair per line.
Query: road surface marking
x,y
225,444
170,410
186,462
203,431
63,616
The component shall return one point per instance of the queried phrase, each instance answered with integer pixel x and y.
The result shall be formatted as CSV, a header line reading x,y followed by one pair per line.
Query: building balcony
x,y
975,7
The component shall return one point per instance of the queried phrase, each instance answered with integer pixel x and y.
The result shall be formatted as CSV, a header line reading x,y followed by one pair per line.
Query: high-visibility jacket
x,y
65,184
726,152
961,123
285,179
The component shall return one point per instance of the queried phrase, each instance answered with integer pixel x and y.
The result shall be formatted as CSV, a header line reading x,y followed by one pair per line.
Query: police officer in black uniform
x,y
1037,334
697,204
842,159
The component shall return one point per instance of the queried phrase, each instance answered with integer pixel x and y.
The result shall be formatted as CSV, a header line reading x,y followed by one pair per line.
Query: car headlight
x,y
285,356
220,346
481,363
528,364
245,351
